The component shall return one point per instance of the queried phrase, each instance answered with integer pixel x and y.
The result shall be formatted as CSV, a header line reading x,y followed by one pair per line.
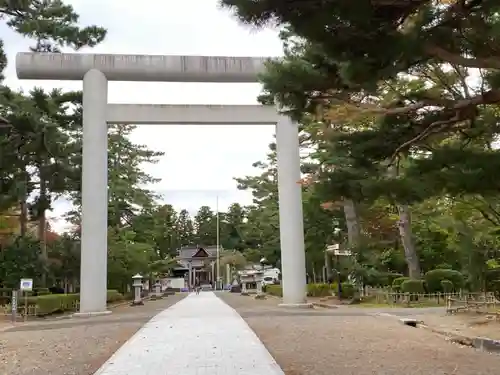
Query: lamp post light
x,y
260,279
263,262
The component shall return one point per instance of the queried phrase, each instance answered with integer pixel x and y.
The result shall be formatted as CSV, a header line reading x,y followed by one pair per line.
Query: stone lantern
x,y
137,284
157,287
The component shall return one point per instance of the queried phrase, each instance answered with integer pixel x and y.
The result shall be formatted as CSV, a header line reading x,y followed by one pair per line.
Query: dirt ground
x,y
77,346
471,325
354,341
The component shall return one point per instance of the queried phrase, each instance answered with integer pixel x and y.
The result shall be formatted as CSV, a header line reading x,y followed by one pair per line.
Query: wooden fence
x,y
23,312
387,296
484,303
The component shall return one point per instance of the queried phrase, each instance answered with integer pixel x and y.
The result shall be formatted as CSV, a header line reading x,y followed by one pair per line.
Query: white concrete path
x,y
200,335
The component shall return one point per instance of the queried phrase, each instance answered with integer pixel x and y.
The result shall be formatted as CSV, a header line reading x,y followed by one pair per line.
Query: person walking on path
x,y
197,286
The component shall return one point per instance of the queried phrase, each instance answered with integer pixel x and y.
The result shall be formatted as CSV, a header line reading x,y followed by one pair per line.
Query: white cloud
x,y
200,161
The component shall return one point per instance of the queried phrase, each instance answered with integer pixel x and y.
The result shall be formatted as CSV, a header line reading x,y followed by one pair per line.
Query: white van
x,y
271,276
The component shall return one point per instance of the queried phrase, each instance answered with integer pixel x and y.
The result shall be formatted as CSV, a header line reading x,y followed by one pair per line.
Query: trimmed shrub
x,y
313,290
320,290
391,276
114,296
4,300
5,292
396,284
317,290
56,303
446,286
413,286
129,296
56,290
52,303
5,296
347,290
433,279
274,290
41,291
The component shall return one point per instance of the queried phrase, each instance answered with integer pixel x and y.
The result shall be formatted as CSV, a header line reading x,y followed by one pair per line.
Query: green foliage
x,y
377,278
274,290
433,279
52,24
205,226
320,290
113,296
56,303
19,259
389,120
348,290
396,283
41,291
53,303
446,286
413,286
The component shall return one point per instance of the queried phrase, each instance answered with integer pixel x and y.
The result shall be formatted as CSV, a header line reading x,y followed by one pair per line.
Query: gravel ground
x,y
464,324
77,346
354,341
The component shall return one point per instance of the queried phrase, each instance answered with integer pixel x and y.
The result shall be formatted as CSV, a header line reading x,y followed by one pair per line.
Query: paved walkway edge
x,y
199,335
110,361
482,343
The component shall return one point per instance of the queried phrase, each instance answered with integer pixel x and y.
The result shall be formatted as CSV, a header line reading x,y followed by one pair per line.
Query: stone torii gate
x,y
96,71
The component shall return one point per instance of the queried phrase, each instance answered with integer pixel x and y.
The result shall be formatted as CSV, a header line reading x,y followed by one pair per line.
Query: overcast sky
x,y
200,161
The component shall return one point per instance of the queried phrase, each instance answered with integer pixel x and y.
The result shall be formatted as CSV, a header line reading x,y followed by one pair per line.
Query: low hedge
x,y
413,286
55,303
114,296
320,290
433,279
348,290
41,291
52,303
274,290
396,284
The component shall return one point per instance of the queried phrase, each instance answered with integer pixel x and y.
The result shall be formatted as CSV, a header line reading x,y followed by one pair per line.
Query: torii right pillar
x,y
293,261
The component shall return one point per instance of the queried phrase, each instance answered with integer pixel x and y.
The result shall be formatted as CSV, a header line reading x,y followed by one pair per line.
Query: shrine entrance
x,y
96,71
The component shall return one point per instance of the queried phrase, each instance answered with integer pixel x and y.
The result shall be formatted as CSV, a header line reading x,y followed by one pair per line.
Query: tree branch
x,y
453,58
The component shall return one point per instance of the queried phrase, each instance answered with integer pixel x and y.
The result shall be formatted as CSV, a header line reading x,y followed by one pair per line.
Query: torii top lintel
x,y
157,68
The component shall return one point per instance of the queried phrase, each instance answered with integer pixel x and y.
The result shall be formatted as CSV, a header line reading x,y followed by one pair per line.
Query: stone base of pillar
x,y
137,303
245,293
297,305
260,296
90,314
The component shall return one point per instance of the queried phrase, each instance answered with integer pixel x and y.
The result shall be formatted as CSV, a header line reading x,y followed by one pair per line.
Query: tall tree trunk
x,y
23,217
23,206
42,229
404,225
352,221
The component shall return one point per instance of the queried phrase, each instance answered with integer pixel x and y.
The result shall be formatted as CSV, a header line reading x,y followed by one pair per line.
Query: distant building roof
x,y
188,252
